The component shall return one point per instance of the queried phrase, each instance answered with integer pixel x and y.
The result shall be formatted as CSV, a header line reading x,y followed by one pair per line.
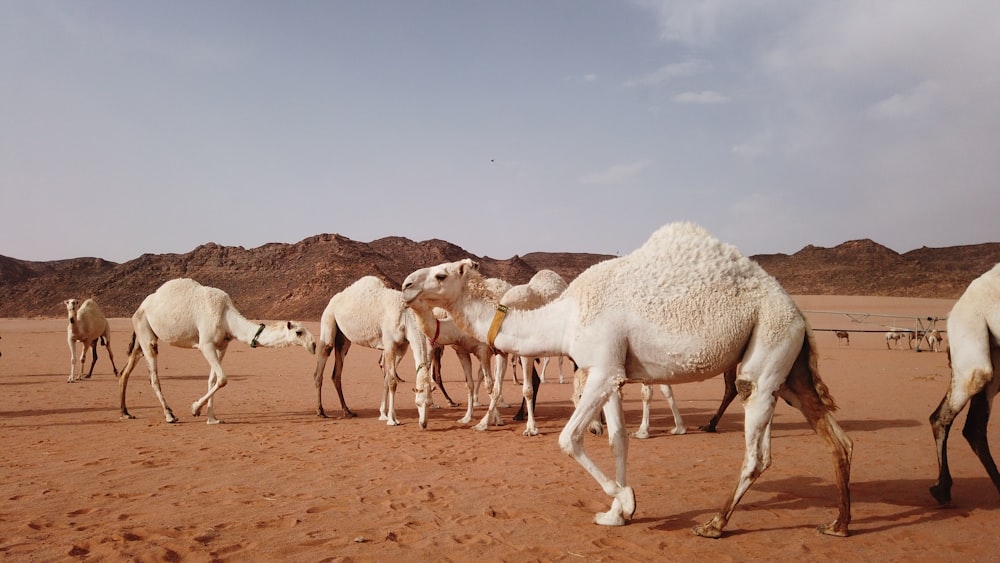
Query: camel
x,y
441,330
893,337
683,307
934,340
87,325
844,336
186,314
974,352
543,287
372,315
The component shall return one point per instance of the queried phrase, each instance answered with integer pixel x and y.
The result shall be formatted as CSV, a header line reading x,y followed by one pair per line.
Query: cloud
x,y
617,174
907,105
669,71
703,97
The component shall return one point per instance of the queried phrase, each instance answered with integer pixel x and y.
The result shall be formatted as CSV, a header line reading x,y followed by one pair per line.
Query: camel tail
x,y
131,345
805,373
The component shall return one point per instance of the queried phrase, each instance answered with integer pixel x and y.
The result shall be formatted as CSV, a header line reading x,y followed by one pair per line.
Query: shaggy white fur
x,y
683,307
974,352
186,314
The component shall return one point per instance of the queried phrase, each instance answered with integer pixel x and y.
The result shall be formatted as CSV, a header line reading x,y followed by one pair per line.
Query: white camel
x,y
87,325
372,315
934,340
441,331
683,307
186,314
543,288
893,337
974,353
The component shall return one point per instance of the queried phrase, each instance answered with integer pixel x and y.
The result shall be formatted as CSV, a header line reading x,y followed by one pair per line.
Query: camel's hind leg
x,y
728,395
341,345
972,375
602,390
470,384
93,359
975,430
154,380
492,415
758,409
106,340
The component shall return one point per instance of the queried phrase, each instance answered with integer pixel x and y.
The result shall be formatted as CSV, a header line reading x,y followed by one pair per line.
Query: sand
x,y
277,483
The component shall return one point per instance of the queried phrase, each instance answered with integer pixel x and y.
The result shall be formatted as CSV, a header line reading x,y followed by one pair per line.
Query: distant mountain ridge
x,y
295,281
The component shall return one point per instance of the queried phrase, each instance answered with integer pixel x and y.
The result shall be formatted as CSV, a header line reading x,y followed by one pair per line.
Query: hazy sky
x,y
505,127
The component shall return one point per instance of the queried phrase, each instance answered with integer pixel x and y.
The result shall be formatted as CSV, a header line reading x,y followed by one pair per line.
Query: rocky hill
x,y
278,281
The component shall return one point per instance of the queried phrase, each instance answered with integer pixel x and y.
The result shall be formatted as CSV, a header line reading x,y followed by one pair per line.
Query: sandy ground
x,y
277,483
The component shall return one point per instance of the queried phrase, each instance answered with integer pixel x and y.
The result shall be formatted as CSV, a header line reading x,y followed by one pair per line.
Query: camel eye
x,y
298,333
441,277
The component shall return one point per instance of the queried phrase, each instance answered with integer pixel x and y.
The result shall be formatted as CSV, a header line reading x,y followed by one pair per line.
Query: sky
x,y
503,127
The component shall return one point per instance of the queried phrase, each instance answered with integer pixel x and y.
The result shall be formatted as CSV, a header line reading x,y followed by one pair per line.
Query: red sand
x,y
277,483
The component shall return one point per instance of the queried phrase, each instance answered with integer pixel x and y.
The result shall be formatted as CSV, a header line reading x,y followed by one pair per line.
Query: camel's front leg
x,y
679,427
216,380
72,360
598,390
647,397
492,415
470,385
322,355
387,410
154,380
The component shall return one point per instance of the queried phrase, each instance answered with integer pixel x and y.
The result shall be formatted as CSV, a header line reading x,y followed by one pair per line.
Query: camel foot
x,y
71,380
707,428
596,428
835,529
941,494
609,518
531,431
503,405
640,434
678,431
195,409
349,414
392,422
465,420
125,416
88,376
480,427
453,404
708,530
321,414
216,421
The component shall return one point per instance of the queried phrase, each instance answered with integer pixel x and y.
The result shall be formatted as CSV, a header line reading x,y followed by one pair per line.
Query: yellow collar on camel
x,y
253,343
498,318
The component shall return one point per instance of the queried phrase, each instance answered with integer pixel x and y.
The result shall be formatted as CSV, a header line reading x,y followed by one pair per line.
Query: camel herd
x,y
683,307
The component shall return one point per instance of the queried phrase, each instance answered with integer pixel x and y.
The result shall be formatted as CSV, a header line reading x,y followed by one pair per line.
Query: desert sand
x,y
277,483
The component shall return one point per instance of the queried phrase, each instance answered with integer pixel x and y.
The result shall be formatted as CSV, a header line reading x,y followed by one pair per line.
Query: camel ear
x,y
289,325
466,266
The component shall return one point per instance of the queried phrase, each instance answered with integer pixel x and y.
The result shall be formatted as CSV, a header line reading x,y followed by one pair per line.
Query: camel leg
x,y
529,389
93,359
213,379
602,391
679,427
154,380
492,415
727,397
758,408
72,359
111,356
134,353
387,409
322,355
962,389
216,380
470,384
975,431
647,396
436,354
341,346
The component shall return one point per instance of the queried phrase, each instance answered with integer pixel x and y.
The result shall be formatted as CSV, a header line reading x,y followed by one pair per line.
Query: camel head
x,y
72,305
298,334
439,285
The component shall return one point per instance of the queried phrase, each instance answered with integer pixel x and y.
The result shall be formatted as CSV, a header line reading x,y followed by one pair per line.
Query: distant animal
x,y
683,307
894,338
973,355
844,336
186,314
934,340
87,325
372,315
